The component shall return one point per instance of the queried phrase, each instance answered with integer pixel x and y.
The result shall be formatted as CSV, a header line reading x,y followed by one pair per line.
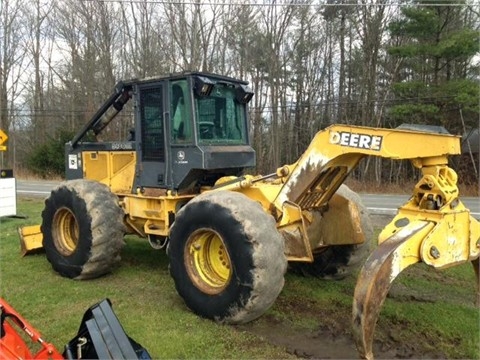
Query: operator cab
x,y
193,130
190,129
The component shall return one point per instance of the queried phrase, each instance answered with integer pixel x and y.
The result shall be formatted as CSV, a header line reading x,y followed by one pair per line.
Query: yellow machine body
x,y
291,197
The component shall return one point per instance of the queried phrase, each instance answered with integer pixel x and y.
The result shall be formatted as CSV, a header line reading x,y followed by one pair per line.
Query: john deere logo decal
x,y
181,157
360,141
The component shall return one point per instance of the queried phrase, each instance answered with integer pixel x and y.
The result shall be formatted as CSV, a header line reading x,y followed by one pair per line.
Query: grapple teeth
x,y
387,261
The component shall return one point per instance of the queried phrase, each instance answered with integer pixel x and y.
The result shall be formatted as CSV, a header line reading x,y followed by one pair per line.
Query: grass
x,y
430,310
142,293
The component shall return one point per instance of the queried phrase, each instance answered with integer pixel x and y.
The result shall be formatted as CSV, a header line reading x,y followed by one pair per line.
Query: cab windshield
x,y
220,118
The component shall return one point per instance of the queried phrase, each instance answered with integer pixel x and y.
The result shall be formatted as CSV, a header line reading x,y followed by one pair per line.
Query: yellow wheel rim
x,y
65,231
207,262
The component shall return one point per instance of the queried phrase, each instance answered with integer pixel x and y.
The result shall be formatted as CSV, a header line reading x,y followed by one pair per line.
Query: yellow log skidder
x,y
180,182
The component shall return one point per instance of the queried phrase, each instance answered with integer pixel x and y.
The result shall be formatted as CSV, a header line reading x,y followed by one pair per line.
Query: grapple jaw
x,y
376,277
451,239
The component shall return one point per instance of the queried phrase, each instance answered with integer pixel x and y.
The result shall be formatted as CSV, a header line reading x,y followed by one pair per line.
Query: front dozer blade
x,y
381,268
31,239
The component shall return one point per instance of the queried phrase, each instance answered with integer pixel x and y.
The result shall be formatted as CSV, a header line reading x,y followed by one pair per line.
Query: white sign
x,y
8,197
72,161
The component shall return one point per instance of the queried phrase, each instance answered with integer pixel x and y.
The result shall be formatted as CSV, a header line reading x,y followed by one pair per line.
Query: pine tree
x,y
437,80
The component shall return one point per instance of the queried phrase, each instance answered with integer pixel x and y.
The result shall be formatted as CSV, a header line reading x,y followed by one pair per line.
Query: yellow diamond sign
x,y
3,140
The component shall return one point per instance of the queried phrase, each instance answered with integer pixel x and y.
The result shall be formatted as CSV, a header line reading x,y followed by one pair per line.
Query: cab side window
x,y
151,108
180,110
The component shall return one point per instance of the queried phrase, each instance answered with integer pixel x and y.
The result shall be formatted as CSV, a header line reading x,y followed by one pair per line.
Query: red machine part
x,y
12,345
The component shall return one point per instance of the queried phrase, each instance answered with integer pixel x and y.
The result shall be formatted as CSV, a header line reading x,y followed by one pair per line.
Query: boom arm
x,y
107,112
433,226
337,150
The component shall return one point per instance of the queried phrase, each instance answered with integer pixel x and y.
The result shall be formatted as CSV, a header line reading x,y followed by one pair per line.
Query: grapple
x,y
433,227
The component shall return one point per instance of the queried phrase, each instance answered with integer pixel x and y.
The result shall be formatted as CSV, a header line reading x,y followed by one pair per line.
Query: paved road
x,y
387,204
376,203
35,188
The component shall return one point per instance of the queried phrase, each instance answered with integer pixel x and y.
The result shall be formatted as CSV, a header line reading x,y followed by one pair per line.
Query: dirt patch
x,y
322,343
332,339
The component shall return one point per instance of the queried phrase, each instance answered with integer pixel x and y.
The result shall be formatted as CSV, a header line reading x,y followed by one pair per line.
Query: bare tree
x,y
275,22
36,47
198,35
370,25
146,44
310,66
85,37
13,63
184,28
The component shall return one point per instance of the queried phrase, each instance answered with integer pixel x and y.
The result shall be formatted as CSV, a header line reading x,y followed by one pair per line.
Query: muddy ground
x,y
332,339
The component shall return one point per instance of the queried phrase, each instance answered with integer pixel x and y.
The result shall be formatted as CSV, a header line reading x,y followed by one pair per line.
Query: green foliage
x,y
430,32
425,104
48,159
461,43
465,93
436,45
415,113
410,89
420,22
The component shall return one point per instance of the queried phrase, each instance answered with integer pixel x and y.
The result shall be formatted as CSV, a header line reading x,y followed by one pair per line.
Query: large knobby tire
x,y
226,257
340,261
82,226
